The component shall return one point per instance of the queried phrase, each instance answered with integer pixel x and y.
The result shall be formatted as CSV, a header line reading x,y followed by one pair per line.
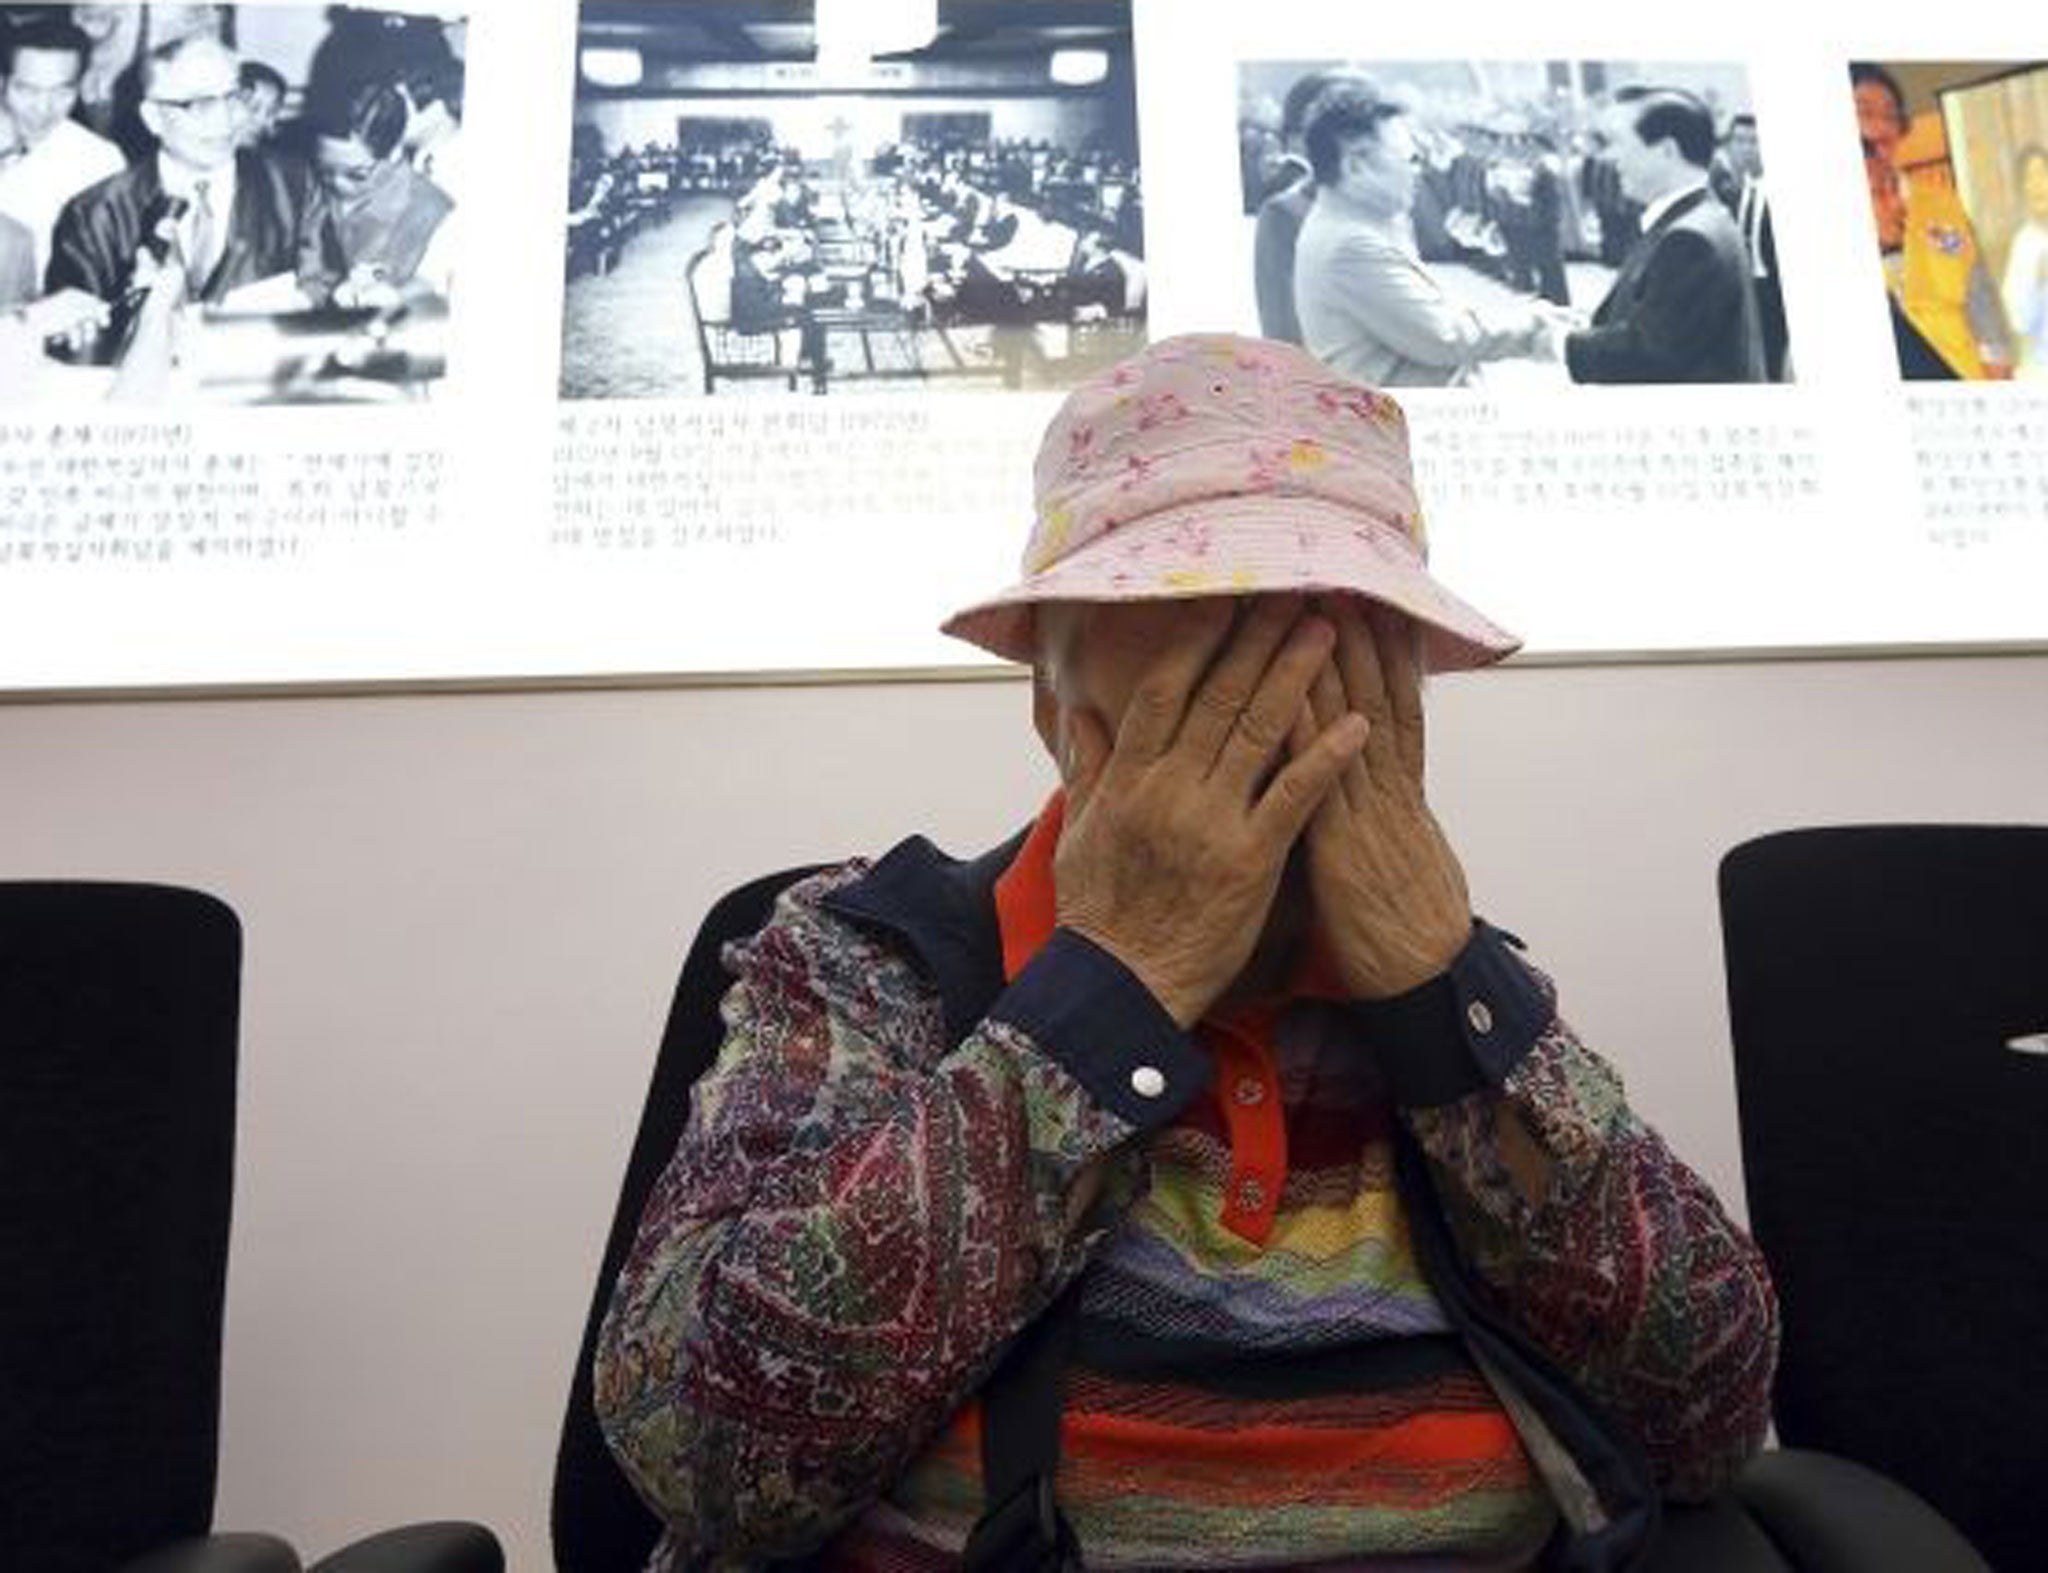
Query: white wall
x,y
464,915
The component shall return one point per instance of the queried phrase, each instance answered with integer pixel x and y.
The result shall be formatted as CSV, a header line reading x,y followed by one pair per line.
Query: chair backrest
x,y
118,1020
1895,1151
724,348
599,1523
702,328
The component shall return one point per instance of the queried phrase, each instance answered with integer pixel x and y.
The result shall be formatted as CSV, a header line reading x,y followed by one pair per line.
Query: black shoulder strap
x,y
1021,1529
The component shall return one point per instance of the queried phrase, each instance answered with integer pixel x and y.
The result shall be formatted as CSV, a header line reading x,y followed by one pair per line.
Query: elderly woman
x,y
1335,1243
375,230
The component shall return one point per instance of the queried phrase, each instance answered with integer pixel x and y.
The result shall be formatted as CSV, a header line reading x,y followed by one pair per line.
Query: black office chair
x,y
1791,1512
118,1021
1888,993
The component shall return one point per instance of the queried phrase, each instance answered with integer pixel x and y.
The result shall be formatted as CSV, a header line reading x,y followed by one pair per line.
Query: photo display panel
x,y
453,343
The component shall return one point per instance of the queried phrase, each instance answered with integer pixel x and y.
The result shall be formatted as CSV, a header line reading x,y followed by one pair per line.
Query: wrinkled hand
x,y
1390,896
1176,836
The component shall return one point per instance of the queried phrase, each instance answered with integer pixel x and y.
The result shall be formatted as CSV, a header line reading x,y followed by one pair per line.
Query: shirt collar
x,y
942,911
1394,228
1239,1037
1026,910
181,180
1654,211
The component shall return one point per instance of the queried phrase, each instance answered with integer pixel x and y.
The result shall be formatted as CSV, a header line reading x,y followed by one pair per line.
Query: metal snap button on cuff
x,y
1148,1081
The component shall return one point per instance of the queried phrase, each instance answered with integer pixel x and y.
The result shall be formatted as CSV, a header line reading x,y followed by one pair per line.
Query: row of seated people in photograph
x,y
1088,188
337,200
1031,171
934,249
614,196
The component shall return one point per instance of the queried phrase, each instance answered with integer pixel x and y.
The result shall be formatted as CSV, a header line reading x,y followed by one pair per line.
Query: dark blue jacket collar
x,y
944,911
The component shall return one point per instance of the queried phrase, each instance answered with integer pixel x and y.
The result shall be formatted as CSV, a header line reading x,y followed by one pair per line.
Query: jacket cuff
x,y
1462,1032
1090,1013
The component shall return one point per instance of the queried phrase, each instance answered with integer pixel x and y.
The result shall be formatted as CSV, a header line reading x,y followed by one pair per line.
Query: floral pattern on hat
x,y
1212,464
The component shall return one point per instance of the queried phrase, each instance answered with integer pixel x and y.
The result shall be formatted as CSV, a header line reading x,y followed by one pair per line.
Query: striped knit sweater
x,y
860,1214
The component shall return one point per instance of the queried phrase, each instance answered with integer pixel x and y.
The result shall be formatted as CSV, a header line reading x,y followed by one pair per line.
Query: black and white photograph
x,y
211,204
1512,224
793,197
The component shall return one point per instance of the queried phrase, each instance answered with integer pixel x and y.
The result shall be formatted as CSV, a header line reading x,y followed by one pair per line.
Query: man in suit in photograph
x,y
1370,308
1752,207
1682,308
1746,197
1286,204
227,218
46,156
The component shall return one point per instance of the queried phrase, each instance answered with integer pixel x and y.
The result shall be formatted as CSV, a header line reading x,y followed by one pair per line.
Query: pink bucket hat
x,y
1214,465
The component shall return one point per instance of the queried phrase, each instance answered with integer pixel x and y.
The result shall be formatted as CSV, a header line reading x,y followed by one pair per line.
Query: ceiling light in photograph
x,y
1079,67
608,67
861,30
